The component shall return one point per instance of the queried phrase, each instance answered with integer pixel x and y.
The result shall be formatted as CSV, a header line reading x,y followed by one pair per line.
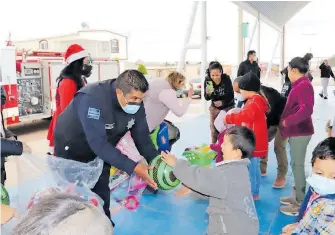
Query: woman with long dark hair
x,y
68,83
219,90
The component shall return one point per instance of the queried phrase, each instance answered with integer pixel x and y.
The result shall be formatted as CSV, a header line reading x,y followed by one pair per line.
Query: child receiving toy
x,y
253,116
317,213
231,208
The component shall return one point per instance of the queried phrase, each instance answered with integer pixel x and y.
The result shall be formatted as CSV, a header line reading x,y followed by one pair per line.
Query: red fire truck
x,y
29,79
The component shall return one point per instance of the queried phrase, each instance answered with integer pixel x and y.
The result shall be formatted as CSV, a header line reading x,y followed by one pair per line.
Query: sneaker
x,y
321,95
255,197
286,200
280,182
291,210
326,98
264,173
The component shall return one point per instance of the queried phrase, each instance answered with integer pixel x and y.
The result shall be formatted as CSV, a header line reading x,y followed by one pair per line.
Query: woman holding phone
x,y
218,89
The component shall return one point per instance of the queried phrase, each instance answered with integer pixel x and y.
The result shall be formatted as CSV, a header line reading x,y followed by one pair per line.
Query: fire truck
x,y
29,79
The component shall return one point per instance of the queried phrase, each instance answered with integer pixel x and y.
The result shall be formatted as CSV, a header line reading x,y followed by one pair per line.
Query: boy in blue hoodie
x,y
317,212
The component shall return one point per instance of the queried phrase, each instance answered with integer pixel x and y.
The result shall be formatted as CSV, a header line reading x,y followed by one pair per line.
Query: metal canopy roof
x,y
274,13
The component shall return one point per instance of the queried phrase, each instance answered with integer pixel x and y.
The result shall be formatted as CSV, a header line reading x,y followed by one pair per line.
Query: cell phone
x,y
209,83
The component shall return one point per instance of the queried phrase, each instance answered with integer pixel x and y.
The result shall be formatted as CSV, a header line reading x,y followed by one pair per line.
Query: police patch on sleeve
x,y
93,113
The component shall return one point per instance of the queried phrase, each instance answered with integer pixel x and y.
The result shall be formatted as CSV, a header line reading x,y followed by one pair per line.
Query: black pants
x,y
101,188
3,171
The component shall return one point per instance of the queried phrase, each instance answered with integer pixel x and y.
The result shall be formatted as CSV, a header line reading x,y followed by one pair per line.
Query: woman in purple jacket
x,y
296,125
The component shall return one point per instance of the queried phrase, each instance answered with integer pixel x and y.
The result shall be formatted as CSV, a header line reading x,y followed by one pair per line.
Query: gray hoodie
x,y
231,207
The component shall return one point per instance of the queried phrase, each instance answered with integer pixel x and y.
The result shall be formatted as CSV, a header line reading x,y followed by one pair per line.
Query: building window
x,y
43,45
115,46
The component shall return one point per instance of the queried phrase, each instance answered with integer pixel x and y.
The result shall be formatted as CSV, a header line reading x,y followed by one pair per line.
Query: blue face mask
x,y
131,108
321,184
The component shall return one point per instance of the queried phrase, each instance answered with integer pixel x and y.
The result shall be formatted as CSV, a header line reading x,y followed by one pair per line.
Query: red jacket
x,y
253,117
64,94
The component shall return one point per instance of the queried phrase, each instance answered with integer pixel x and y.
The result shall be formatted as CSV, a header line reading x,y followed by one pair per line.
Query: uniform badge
x,y
93,113
131,123
109,126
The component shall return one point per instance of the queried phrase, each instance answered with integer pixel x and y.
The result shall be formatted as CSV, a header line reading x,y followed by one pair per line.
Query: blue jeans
x,y
255,175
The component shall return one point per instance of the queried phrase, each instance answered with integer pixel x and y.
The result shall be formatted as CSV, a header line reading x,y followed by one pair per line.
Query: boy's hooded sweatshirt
x,y
231,208
253,116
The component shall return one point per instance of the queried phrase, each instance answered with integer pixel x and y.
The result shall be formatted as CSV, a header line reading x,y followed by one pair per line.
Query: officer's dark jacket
x,y
246,67
94,122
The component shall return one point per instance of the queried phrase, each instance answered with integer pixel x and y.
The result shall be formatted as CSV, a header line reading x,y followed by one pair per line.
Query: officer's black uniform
x,y
93,124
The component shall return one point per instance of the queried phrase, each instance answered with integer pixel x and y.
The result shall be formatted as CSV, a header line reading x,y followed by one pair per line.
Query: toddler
x,y
317,212
221,128
231,209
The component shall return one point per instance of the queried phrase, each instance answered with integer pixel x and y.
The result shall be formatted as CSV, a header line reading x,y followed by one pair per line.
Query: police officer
x,y
97,118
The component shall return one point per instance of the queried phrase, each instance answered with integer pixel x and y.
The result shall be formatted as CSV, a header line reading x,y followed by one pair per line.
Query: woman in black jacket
x,y
219,90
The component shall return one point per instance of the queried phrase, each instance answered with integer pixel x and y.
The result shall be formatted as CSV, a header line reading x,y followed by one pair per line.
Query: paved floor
x,y
164,214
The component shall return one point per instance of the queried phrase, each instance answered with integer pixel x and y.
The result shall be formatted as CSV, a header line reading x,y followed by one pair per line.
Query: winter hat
x,y
74,52
249,82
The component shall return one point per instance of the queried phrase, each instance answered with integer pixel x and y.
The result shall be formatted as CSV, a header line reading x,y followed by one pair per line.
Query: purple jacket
x,y
298,110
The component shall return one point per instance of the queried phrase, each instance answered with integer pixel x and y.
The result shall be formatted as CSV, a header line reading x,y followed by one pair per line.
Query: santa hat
x,y
74,52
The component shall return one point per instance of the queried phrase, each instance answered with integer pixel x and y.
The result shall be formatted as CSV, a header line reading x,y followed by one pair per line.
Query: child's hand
x,y
7,213
288,228
183,191
169,158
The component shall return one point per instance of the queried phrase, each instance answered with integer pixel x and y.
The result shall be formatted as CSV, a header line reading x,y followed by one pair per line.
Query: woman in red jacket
x,y
68,83
253,116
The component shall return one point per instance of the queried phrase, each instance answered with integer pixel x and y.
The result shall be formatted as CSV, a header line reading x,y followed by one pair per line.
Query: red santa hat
x,y
74,52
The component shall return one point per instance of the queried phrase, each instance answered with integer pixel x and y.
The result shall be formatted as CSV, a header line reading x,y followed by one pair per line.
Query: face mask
x,y
239,97
87,70
321,185
131,108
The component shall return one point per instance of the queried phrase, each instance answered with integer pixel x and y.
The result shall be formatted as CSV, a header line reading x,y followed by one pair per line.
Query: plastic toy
x,y
160,137
127,193
126,190
162,174
4,196
200,155
164,136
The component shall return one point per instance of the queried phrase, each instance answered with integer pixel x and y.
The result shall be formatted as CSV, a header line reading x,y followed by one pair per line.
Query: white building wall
x,y
98,43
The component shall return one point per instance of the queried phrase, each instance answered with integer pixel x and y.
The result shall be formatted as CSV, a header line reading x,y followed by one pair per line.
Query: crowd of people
x,y
92,118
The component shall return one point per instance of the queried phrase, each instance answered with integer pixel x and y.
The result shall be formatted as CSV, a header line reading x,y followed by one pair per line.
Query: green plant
x,y
142,69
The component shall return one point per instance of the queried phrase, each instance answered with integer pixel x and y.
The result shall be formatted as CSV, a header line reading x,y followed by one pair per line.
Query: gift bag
x,y
126,190
219,120
43,175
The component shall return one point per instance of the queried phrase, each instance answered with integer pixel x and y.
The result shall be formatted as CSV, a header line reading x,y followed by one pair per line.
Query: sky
x,y
156,29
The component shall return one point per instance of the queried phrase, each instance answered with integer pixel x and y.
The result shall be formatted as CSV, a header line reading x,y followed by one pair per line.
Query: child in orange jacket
x,y
253,117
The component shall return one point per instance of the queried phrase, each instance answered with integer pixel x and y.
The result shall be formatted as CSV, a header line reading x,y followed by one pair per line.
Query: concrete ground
x,y
165,214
